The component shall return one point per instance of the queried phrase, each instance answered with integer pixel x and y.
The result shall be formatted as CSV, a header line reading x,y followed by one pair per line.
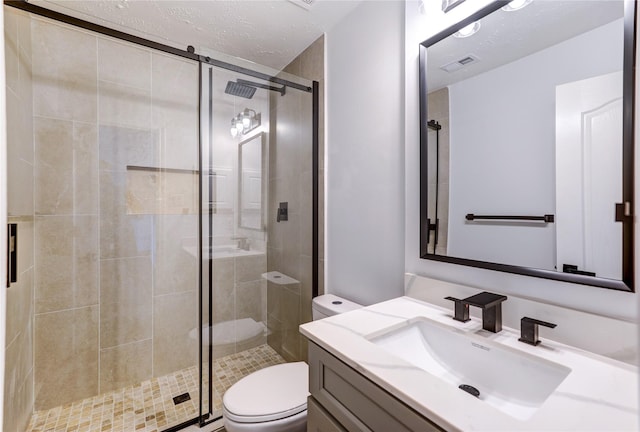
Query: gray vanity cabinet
x,y
344,400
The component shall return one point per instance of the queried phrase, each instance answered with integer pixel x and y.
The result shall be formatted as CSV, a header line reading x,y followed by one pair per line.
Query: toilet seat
x,y
272,393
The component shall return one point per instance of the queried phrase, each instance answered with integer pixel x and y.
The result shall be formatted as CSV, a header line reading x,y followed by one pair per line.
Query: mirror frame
x,y
628,103
261,137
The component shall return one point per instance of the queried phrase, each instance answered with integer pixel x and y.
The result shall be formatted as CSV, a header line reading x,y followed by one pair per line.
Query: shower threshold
x,y
149,406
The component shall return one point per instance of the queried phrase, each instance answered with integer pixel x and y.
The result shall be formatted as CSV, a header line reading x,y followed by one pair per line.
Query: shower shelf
x,y
279,278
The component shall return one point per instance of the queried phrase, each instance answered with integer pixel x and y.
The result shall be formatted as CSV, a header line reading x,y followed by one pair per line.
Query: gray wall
x,y
365,154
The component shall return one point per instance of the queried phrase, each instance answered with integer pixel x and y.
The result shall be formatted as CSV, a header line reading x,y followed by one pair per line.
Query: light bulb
x,y
246,121
234,131
468,30
239,124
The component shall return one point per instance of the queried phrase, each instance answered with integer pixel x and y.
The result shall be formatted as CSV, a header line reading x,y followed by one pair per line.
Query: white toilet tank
x,y
327,305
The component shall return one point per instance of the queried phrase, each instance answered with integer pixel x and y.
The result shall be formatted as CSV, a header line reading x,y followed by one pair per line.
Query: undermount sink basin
x,y
510,380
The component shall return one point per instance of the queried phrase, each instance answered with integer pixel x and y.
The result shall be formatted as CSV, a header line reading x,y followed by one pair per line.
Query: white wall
x,y
516,122
3,216
590,299
365,153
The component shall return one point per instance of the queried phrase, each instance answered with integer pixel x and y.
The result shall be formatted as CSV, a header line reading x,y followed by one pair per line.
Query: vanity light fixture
x,y
516,5
469,30
245,122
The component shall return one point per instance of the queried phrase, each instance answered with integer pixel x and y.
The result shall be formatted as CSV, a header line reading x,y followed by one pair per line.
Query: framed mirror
x,y
527,141
251,183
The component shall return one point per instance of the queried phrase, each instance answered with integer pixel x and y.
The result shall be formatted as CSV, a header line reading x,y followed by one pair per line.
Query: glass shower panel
x,y
115,187
256,145
148,158
233,193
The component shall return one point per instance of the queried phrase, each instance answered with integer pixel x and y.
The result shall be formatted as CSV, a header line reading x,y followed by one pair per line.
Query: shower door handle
x,y
12,253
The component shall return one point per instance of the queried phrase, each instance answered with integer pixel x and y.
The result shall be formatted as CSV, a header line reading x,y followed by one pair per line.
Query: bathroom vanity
x,y
399,365
342,399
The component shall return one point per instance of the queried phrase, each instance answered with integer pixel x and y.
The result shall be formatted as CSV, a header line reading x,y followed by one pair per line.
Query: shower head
x,y
237,89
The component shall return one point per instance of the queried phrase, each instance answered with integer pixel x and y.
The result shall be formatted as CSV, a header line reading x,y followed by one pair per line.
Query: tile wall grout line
x,y
99,208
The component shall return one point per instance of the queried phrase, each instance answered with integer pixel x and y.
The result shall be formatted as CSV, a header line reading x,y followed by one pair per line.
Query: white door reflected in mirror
x,y
589,175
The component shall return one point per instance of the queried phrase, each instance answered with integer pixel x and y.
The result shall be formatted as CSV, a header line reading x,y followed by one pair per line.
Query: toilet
x,y
274,399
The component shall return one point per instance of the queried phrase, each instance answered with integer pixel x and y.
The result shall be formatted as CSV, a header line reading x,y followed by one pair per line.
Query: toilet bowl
x,y
274,399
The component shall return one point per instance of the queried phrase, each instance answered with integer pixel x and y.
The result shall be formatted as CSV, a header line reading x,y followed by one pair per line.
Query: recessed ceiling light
x,y
469,30
515,5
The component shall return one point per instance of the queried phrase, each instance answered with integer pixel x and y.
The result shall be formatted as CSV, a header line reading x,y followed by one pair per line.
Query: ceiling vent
x,y
304,4
459,64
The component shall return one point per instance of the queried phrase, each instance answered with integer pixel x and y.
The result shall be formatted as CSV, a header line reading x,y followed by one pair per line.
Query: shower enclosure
x,y
166,205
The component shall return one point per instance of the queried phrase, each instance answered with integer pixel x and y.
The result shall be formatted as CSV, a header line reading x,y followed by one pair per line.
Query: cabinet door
x,y
357,403
319,420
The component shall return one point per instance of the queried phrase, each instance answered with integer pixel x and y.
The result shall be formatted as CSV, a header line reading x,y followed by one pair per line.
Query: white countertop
x,y
599,394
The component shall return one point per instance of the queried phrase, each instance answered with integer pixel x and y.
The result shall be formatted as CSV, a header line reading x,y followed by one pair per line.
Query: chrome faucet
x,y
491,305
243,242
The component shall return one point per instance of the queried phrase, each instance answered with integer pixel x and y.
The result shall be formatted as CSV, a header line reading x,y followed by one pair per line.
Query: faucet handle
x,y
529,330
460,309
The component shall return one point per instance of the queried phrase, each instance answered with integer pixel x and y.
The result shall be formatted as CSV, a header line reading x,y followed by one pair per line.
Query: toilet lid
x,y
269,394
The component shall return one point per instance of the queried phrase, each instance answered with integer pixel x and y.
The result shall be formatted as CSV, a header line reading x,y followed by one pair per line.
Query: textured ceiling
x,y
267,32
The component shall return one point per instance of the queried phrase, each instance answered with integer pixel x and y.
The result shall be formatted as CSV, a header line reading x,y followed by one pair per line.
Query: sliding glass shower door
x,y
256,199
104,184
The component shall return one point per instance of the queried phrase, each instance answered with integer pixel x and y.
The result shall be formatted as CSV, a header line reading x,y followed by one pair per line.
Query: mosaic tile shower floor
x,y
148,406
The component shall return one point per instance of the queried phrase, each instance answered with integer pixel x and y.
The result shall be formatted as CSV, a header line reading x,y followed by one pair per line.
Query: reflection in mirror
x,y
251,189
526,126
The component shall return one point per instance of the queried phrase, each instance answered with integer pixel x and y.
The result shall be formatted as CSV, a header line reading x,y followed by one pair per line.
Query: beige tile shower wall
x,y
290,243
66,321
115,293
439,111
148,118
239,292
18,390
174,114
